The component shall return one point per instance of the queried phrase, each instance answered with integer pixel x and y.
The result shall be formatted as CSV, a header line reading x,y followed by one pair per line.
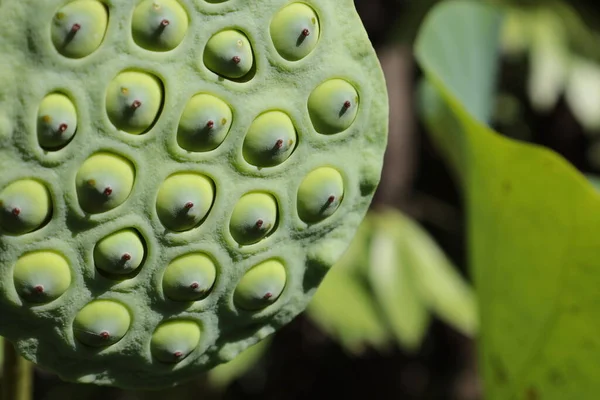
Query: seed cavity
x,y
184,200
254,217
197,131
78,28
159,25
189,277
261,286
103,182
120,253
330,110
225,56
41,276
25,206
57,121
174,340
320,194
270,139
101,323
295,31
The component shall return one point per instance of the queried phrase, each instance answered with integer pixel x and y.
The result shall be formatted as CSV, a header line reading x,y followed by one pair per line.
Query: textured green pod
x,y
41,276
25,205
174,340
104,182
159,25
133,101
101,323
270,140
78,28
144,147
204,124
261,286
320,194
295,31
189,277
119,253
333,106
229,54
184,200
253,218
57,121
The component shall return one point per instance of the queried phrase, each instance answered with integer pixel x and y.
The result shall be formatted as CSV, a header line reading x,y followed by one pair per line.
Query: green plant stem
x,y
16,383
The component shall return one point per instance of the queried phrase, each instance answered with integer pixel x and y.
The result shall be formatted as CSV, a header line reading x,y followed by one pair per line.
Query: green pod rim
x,y
261,286
25,206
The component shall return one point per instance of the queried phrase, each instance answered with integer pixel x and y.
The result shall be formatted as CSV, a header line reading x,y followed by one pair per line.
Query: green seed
x,y
101,323
229,54
184,200
295,31
133,101
41,276
57,121
25,206
333,106
119,253
159,25
320,194
78,28
261,286
271,139
174,340
104,182
204,124
189,277
253,218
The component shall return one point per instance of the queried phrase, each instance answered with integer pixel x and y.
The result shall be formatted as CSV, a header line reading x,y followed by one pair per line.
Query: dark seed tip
x,y
16,211
236,59
126,257
107,191
75,28
104,335
194,285
136,104
62,128
39,288
165,22
210,124
259,223
188,205
268,295
347,104
305,32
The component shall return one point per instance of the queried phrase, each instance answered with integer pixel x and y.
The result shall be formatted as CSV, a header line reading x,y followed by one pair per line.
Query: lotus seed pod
x,y
57,121
104,182
119,253
261,286
270,140
159,25
78,28
184,200
174,340
320,194
176,162
101,323
25,206
333,106
295,31
204,124
189,277
229,54
41,276
253,218
133,101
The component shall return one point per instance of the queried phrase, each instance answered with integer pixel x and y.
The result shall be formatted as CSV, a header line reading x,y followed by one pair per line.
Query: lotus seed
x,y
78,28
159,25
119,253
204,124
174,340
261,286
189,277
270,140
253,218
229,54
25,206
320,194
133,101
104,182
295,31
101,323
41,276
333,106
57,121
184,200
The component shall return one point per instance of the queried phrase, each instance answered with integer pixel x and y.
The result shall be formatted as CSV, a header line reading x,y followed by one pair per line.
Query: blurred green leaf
x,y
533,230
